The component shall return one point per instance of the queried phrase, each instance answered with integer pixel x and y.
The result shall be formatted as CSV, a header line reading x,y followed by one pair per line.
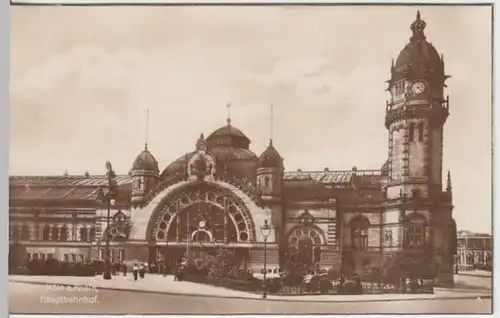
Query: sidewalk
x,y
166,285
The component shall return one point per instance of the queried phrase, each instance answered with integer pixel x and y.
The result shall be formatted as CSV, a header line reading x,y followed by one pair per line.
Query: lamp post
x,y
265,230
110,199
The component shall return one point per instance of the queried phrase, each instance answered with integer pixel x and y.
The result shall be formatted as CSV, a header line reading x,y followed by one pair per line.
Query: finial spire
x,y
147,130
228,114
271,125
201,144
417,27
448,182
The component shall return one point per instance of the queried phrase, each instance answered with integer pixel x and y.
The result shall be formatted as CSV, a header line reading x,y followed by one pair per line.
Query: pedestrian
x,y
141,271
135,271
124,269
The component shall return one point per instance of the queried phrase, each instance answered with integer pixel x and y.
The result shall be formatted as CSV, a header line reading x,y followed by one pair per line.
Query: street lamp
x,y
110,198
265,230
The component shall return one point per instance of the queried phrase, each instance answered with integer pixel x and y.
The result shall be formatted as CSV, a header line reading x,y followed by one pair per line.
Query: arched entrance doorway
x,y
200,216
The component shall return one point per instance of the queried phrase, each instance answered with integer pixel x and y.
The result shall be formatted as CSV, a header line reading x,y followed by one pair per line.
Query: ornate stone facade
x,y
220,194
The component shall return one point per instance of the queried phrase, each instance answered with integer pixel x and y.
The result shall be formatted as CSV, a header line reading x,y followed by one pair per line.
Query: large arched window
x,y
305,244
359,233
415,229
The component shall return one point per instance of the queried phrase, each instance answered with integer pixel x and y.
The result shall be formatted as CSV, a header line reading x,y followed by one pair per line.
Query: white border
x,y
160,2
4,115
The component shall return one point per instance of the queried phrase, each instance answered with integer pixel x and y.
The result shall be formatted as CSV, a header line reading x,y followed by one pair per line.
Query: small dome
x,y
270,158
145,161
418,55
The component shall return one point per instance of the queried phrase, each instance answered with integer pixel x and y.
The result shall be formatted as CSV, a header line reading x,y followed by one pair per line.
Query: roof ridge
x,y
45,177
323,171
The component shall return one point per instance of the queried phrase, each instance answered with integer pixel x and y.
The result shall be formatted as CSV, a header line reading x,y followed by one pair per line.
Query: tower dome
x,y
145,161
270,158
418,55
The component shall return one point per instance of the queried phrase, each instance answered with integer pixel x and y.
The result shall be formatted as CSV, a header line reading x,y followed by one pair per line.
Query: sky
x,y
83,77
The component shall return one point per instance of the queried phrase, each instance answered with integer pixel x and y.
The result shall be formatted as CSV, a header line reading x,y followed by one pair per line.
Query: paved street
x,y
40,299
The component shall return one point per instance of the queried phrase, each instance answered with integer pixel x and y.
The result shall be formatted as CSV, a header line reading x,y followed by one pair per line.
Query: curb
x,y
268,299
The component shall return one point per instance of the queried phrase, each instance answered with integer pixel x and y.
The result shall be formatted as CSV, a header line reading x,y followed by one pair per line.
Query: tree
x,y
17,255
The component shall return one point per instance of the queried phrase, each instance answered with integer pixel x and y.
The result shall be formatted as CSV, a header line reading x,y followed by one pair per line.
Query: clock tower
x,y
415,116
417,211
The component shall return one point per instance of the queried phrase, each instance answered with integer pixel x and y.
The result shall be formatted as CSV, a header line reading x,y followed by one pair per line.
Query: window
x,y
415,231
359,239
63,236
42,256
55,234
139,184
317,255
46,233
92,233
83,234
121,255
11,232
16,232
305,244
305,247
266,182
411,132
359,233
50,256
421,132
66,257
415,235
101,253
25,232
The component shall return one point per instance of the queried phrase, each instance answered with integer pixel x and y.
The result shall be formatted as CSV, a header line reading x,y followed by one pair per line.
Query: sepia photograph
x,y
251,159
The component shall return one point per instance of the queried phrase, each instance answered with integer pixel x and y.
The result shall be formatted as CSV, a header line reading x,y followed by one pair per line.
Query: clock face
x,y
418,87
202,224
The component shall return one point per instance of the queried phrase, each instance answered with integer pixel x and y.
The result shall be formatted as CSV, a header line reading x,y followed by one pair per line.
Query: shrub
x,y
293,279
333,273
350,287
274,285
325,285
17,255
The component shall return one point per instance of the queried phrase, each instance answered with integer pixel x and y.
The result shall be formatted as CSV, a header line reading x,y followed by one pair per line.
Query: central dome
x,y
228,136
231,150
